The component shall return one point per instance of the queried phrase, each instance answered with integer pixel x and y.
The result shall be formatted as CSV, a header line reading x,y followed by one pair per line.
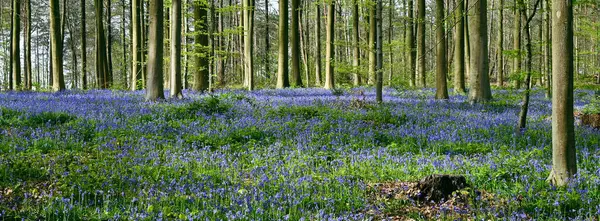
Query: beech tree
x,y
329,54
154,83
176,82
478,61
441,61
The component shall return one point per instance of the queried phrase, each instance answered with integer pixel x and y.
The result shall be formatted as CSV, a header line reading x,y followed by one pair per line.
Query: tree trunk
x,y
176,84
564,162
221,62
124,44
101,59
282,73
318,46
379,48
15,45
421,42
303,49
58,81
201,42
136,62
73,57
459,49
547,51
525,104
295,38
84,85
329,51
355,43
500,80
28,73
441,61
372,44
248,41
109,66
411,44
154,83
392,6
517,47
479,79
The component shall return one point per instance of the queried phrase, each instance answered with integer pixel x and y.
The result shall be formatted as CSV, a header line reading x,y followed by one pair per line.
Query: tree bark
x,y
58,81
101,59
201,42
84,83
282,73
547,51
295,39
459,49
28,73
421,42
479,78
109,66
372,43
318,46
329,51
176,84
379,48
248,41
517,47
441,61
136,62
15,45
500,80
154,83
411,45
355,43
564,162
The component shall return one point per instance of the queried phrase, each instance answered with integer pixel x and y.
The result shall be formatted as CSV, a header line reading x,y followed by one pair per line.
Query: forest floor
x,y
298,154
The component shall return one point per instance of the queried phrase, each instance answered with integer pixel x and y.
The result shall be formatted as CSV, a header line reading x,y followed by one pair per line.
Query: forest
x,y
299,110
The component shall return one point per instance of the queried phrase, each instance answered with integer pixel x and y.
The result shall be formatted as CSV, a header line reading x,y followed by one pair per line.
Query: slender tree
x,y
517,46
441,62
372,42
83,75
459,48
136,36
248,41
201,41
58,80
101,59
154,83
15,45
28,74
547,51
329,51
379,48
109,40
564,162
478,76
410,41
176,82
421,42
318,45
500,80
295,39
355,43
283,80
525,104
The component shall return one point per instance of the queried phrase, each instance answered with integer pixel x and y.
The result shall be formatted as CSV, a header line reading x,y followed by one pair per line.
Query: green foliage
x,y
593,107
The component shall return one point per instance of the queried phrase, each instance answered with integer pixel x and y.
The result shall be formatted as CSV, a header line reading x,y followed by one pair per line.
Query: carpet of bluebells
x,y
298,154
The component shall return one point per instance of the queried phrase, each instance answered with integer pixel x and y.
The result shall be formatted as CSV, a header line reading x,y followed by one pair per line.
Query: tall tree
x,y
154,83
136,35
201,44
478,62
564,162
500,80
528,69
547,50
410,41
83,48
355,43
15,45
282,73
379,48
372,42
295,38
58,80
101,59
441,62
318,46
109,66
421,42
248,41
459,48
28,73
517,46
176,82
329,51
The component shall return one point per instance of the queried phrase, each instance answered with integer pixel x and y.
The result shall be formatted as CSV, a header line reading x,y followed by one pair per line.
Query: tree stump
x,y
439,187
592,120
